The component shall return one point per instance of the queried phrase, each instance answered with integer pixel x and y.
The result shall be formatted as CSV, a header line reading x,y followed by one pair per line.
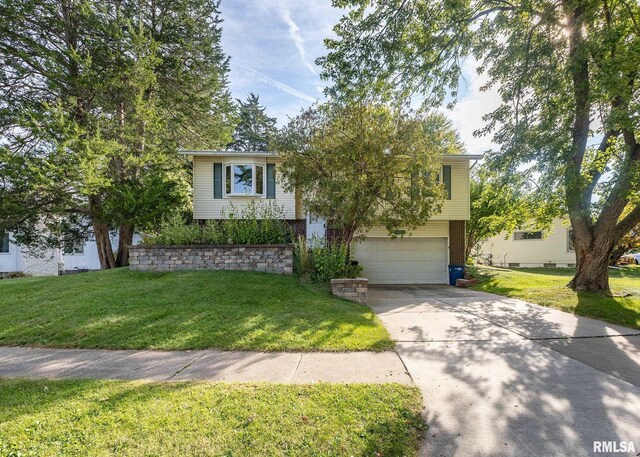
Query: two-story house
x,y
420,257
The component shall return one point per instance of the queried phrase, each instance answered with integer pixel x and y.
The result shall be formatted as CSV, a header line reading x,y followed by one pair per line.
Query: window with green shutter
x,y
217,180
446,179
271,180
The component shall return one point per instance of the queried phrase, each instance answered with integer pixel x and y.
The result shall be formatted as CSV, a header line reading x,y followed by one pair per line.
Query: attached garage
x,y
404,260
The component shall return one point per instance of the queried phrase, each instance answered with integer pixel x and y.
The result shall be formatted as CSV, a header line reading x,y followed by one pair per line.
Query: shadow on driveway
x,y
506,392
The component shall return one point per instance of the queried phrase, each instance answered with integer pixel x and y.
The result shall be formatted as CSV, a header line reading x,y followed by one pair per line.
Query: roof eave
x,y
221,153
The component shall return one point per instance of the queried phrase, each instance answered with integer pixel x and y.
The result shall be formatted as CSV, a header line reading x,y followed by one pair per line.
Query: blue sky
x,y
273,45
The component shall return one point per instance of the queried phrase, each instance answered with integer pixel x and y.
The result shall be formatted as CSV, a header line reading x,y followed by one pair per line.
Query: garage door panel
x,y
403,260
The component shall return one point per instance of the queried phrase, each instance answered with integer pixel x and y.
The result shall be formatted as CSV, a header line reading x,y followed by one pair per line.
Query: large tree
x,y
359,165
95,98
568,75
255,129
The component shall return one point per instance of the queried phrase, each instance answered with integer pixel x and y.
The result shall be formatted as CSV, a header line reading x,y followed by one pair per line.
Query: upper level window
x,y
537,235
4,243
244,180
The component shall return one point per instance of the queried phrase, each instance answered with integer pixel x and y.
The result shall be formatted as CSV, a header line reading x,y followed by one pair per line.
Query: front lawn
x,y
547,287
122,309
184,419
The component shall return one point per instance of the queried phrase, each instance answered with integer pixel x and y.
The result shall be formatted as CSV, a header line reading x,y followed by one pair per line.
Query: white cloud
x,y
281,86
296,37
470,108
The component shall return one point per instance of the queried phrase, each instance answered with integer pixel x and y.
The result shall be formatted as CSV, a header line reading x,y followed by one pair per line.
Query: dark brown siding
x,y
457,240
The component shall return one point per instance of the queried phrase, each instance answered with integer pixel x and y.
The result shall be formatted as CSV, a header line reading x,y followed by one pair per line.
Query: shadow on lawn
x,y
616,310
194,310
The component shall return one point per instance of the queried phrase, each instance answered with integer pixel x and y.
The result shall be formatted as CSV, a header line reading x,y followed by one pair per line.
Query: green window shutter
x,y
271,180
446,179
217,180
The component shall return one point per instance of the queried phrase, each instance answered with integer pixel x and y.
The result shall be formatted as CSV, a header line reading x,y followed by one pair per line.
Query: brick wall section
x,y
457,241
351,289
275,258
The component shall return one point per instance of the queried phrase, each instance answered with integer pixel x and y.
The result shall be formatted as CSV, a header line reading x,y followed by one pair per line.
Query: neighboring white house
x,y
13,258
49,262
421,257
528,248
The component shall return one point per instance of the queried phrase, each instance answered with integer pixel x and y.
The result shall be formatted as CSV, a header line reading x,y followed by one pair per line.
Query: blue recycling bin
x,y
455,272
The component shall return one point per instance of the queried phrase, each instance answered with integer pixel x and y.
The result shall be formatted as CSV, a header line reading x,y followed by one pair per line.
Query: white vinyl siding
x,y
206,207
551,249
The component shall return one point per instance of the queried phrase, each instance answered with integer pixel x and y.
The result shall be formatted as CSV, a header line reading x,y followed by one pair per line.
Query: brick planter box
x,y
351,289
269,258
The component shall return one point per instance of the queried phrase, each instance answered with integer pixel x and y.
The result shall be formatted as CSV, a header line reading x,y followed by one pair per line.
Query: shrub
x,y
14,275
328,260
253,224
302,262
256,224
175,230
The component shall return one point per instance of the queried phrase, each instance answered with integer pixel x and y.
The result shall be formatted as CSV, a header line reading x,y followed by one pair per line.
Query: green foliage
x,y
227,310
548,287
331,260
498,206
324,261
188,419
566,72
175,231
253,224
363,164
256,224
96,98
255,130
302,264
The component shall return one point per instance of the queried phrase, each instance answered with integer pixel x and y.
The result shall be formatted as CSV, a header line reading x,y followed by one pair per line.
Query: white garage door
x,y
403,260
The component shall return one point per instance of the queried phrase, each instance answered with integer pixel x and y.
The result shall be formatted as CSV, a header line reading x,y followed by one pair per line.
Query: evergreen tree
x,y
95,99
255,129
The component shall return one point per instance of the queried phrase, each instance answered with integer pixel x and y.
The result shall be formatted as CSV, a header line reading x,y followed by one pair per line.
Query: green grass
x,y
122,309
547,287
73,418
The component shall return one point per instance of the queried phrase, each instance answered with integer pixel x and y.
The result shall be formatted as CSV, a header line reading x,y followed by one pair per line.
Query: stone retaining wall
x,y
354,289
273,258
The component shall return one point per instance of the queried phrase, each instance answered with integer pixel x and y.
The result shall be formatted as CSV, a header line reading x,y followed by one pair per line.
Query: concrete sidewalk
x,y
502,377
233,366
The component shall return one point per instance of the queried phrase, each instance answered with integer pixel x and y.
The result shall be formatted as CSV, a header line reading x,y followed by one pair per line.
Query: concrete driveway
x,y
501,376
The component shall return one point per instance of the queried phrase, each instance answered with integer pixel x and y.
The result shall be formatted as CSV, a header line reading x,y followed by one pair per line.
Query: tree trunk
x,y
470,244
617,254
103,243
125,239
592,263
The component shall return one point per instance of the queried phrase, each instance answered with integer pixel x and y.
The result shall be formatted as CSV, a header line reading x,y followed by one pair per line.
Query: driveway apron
x,y
500,376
